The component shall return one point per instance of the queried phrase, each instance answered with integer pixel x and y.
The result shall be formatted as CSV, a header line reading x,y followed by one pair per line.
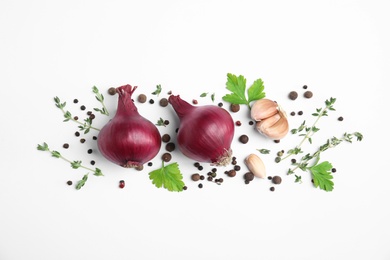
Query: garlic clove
x,y
255,165
263,108
275,127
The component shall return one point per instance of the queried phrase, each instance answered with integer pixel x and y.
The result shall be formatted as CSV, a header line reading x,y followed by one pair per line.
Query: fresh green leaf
x,y
213,97
203,94
237,86
256,91
43,147
322,176
55,154
168,177
98,172
264,151
161,122
82,182
158,90
75,164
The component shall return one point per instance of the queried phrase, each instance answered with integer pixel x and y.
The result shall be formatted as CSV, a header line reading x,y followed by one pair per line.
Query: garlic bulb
x,y
255,165
263,108
275,127
271,120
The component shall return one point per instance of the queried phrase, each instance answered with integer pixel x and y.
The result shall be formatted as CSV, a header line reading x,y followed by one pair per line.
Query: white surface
x,y
63,48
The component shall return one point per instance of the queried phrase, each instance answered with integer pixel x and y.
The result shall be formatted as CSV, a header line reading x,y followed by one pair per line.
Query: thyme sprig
x,y
306,131
100,98
73,164
85,126
330,143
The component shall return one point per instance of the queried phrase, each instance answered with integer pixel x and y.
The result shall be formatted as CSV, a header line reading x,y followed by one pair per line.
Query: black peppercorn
x,y
300,113
82,140
200,185
82,107
244,139
77,134
170,147
292,113
69,183
272,189
89,151
150,164
151,101
201,177
220,104
66,146
75,101
334,170
237,167
340,118
200,167
249,176
276,180
92,162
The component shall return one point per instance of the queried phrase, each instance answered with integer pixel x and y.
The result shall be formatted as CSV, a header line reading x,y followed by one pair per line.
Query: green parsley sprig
x,y
240,94
73,164
168,177
158,90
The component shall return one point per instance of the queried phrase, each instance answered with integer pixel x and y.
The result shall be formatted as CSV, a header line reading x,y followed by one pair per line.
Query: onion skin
x,y
128,139
205,132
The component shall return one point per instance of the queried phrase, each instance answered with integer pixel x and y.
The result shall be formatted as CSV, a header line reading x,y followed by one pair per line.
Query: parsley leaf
x,y
256,91
322,176
237,85
168,177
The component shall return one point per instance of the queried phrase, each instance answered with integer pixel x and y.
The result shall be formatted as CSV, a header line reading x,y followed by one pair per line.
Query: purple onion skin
x,y
205,132
129,139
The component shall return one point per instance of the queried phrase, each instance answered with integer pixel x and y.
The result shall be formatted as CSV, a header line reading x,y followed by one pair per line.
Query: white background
x,y
63,48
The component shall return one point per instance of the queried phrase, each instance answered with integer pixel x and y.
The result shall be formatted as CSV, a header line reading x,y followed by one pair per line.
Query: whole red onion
x,y
205,132
128,139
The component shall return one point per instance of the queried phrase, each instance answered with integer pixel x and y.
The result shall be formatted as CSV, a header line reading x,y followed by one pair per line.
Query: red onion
x,y
205,132
129,139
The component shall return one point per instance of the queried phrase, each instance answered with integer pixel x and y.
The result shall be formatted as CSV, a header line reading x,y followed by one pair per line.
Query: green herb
x,y
320,172
264,151
74,164
100,98
212,96
306,131
158,90
240,94
298,178
85,126
161,122
322,176
168,177
81,182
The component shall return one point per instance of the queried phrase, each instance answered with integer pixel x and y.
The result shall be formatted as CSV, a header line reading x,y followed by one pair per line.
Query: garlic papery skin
x,y
275,127
255,165
263,108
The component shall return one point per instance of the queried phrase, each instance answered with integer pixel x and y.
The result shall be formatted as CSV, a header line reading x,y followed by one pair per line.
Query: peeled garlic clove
x,y
263,108
255,165
275,127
